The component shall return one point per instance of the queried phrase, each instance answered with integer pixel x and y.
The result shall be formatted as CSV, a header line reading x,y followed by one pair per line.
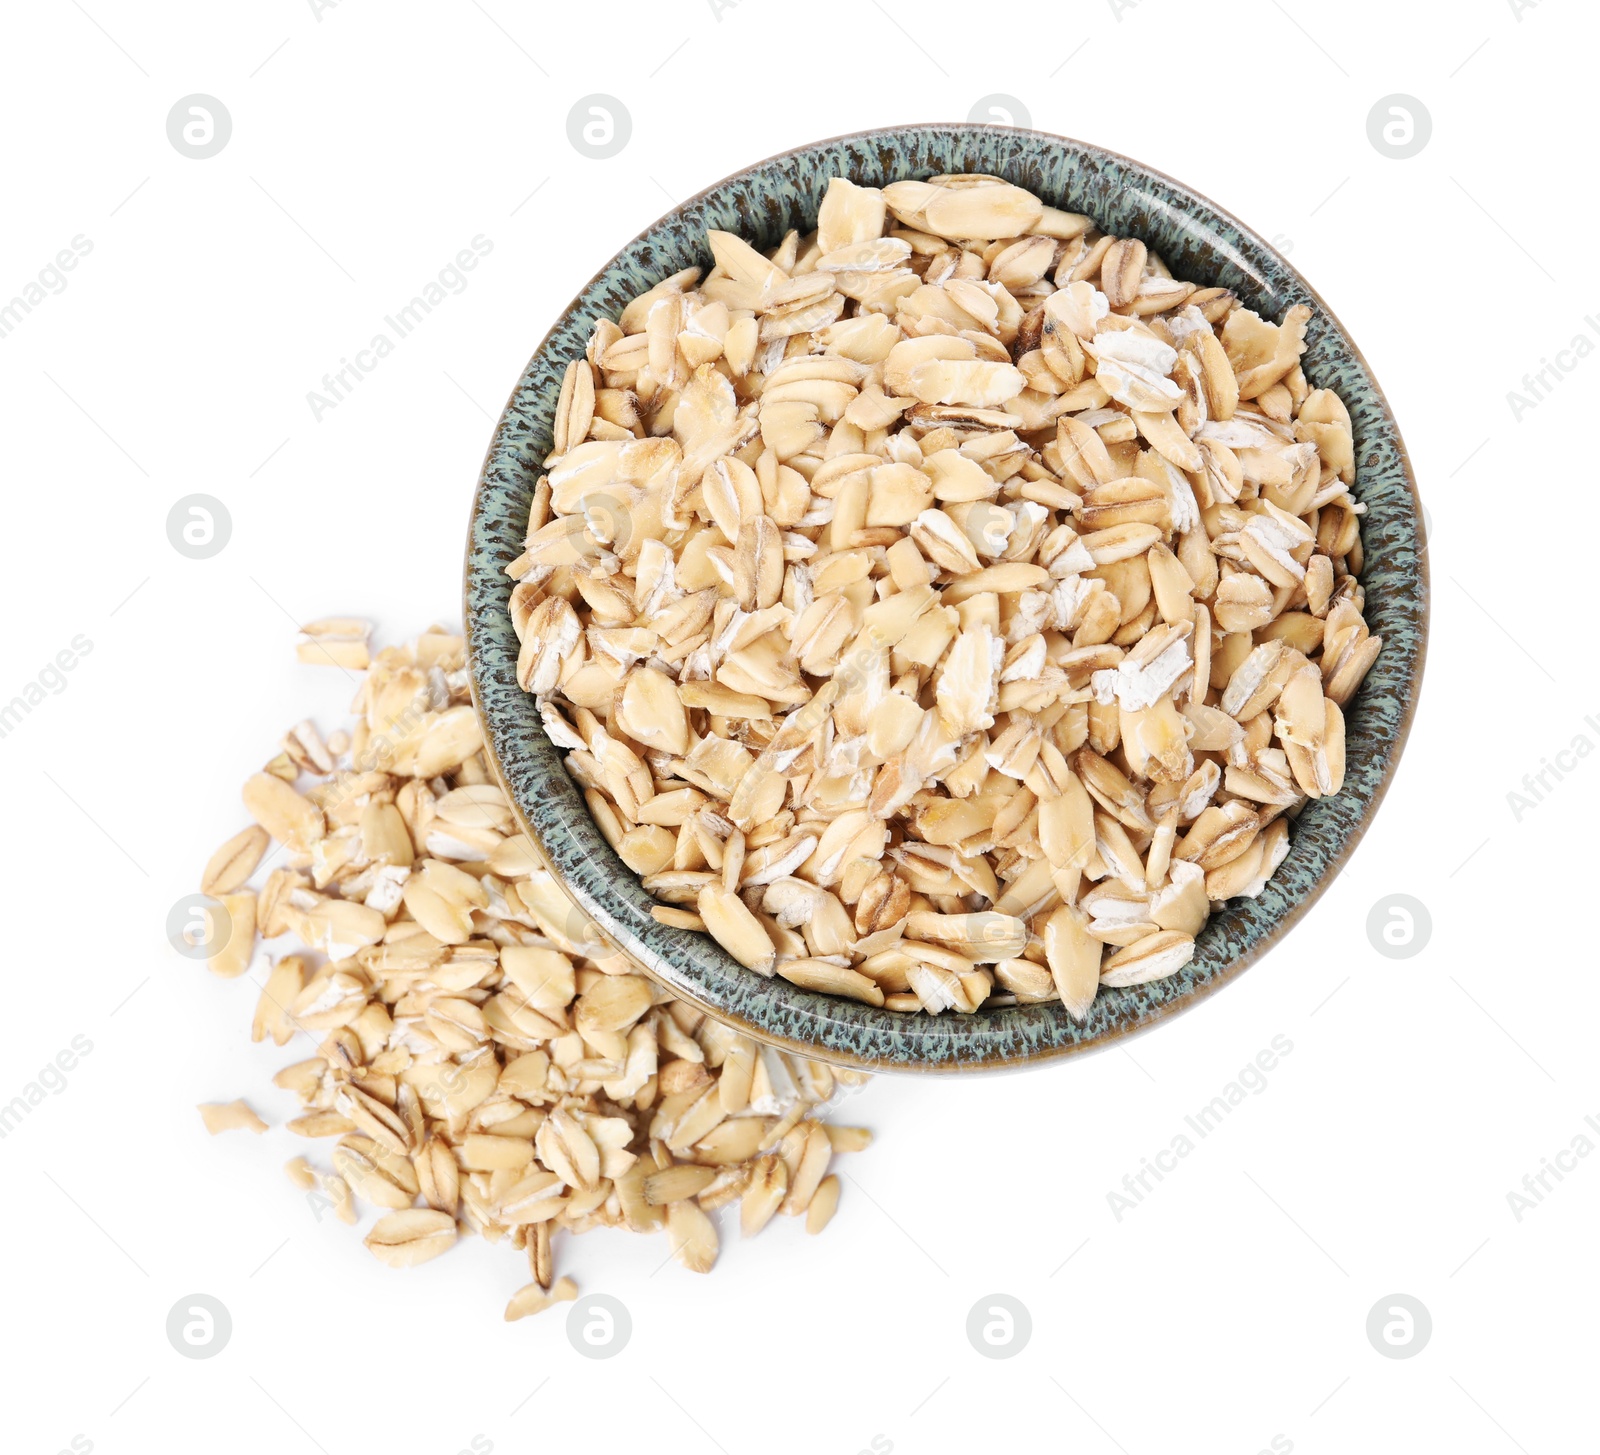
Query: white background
x,y
371,143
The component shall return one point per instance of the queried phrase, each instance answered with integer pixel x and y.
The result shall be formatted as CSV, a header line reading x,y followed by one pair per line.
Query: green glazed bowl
x,y
1200,243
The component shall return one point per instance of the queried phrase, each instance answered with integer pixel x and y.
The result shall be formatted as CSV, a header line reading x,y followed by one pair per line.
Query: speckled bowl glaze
x,y
1199,242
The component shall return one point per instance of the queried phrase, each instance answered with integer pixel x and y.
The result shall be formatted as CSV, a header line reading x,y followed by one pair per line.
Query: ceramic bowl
x,y
1201,243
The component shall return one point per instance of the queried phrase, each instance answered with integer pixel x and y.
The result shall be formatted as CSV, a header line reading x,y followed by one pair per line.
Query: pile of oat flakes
x,y
478,1061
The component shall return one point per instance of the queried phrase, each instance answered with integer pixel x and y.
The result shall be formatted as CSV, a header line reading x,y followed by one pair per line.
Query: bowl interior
x,y
1200,243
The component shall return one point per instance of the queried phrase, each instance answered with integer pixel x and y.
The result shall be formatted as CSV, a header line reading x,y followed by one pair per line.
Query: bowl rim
x,y
1116,1033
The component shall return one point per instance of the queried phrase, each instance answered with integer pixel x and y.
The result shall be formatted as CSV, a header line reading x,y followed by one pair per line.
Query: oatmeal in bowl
x,y
947,611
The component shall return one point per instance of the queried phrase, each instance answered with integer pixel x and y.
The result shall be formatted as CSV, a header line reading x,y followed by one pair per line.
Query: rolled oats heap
x,y
948,607
480,1062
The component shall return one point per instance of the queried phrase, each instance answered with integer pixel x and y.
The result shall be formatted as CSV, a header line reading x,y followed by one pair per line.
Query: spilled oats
x,y
478,1061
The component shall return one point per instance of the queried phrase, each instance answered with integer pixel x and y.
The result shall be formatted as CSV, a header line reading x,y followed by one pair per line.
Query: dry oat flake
x,y
948,607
